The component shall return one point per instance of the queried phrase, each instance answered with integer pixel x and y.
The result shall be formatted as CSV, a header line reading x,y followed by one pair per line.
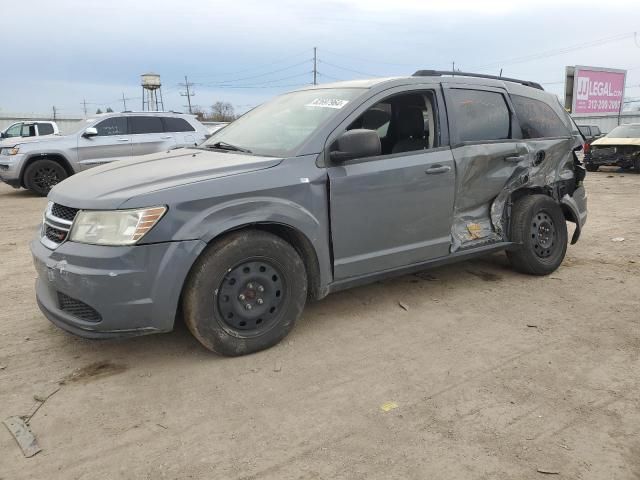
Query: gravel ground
x,y
487,374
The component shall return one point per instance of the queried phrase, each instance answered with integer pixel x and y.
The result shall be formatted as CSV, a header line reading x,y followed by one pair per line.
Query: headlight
x,y
10,151
117,227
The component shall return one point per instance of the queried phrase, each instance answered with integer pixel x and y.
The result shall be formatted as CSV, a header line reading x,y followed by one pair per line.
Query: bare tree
x,y
222,112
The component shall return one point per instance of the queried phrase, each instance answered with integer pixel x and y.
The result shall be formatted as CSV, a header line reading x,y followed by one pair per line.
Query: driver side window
x,y
112,126
404,123
15,130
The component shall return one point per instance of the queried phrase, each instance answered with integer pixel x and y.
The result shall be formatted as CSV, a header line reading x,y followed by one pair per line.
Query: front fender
x,y
209,224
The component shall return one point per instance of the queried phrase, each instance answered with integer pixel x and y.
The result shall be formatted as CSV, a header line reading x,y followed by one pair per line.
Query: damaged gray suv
x,y
315,191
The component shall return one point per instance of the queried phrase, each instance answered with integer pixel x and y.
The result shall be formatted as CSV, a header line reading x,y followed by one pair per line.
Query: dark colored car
x,y
315,191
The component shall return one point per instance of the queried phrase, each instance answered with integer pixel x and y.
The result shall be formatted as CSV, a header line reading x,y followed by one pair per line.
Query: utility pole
x,y
124,102
188,93
84,106
453,68
315,65
54,113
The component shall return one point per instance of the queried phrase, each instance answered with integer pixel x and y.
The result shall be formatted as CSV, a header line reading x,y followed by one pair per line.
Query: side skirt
x,y
417,267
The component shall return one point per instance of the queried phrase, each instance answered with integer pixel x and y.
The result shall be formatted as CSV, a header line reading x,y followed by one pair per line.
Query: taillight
x,y
587,147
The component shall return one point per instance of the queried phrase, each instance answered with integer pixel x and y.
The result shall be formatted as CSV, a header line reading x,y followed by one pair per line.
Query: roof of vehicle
x,y
146,113
431,76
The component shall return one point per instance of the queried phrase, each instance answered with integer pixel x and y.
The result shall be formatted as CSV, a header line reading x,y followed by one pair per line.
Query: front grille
x,y
57,221
78,309
54,234
4,167
66,213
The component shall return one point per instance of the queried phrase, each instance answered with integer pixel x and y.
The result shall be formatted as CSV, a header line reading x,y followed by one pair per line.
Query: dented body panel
x,y
352,221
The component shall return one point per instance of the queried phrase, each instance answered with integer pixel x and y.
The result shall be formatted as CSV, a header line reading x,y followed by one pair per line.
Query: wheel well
x,y
49,156
297,240
303,246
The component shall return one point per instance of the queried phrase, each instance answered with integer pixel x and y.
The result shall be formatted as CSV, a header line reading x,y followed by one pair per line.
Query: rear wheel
x,y
636,164
245,293
591,167
539,230
41,176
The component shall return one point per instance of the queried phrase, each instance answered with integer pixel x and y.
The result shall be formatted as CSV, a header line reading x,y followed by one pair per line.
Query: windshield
x,y
625,131
280,126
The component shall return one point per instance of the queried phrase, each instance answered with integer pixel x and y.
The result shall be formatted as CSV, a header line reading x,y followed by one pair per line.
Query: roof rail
x,y
439,73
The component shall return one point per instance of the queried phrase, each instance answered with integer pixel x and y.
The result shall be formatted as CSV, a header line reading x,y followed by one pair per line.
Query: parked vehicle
x,y
213,127
312,192
590,133
620,147
40,163
38,128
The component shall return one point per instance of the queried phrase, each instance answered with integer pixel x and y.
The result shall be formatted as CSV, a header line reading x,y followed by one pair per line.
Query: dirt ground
x,y
488,374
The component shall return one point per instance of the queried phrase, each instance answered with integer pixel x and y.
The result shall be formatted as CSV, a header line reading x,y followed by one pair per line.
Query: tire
x,y
591,167
539,230
636,164
248,267
42,175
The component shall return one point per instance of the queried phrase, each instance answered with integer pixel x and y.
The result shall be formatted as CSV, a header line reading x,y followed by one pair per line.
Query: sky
x,y
65,52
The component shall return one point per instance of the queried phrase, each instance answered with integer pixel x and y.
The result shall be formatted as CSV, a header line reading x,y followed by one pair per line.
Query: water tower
x,y
151,93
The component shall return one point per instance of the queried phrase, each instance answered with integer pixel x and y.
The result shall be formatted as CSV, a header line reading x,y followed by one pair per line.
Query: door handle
x,y
123,139
515,159
437,169
167,138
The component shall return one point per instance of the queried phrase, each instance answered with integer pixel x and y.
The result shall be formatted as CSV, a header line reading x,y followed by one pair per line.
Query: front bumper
x,y
10,169
613,159
102,292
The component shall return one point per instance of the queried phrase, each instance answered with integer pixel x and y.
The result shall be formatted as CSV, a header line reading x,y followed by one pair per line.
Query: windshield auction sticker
x,y
327,103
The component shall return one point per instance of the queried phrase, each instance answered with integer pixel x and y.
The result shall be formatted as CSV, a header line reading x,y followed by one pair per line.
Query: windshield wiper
x,y
228,146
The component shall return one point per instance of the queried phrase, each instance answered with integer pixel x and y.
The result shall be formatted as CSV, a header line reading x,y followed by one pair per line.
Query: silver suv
x,y
40,163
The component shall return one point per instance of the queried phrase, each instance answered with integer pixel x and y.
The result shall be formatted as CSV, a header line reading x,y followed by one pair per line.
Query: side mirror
x,y
90,132
357,143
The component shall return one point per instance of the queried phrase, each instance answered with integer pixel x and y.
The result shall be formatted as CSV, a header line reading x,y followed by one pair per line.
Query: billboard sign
x,y
594,90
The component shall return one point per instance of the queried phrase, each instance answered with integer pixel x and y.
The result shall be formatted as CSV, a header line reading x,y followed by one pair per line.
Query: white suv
x,y
30,129
38,163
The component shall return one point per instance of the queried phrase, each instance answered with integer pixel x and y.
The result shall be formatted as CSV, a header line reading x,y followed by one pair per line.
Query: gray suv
x,y
39,163
312,192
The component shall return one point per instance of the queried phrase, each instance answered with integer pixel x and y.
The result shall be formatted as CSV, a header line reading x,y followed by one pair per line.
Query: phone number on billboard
x,y
603,104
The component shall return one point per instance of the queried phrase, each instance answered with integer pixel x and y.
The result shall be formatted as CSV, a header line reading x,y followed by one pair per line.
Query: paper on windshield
x,y
328,103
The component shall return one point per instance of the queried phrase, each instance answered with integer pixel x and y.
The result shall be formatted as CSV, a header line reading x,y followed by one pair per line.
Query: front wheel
x,y
591,167
539,230
245,293
42,175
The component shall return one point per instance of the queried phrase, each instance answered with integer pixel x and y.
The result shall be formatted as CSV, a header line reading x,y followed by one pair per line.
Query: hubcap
x,y
46,178
543,234
250,296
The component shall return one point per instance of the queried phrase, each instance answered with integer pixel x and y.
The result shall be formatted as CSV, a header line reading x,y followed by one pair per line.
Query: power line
x,y
348,69
257,67
366,60
557,51
219,82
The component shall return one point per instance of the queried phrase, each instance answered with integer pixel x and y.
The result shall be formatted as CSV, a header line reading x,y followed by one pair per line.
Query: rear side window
x,y
28,130
45,129
176,124
479,115
145,125
586,131
537,119
112,126
596,131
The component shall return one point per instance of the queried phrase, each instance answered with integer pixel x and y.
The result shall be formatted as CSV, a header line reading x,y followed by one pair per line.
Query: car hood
x,y
109,186
616,141
10,142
